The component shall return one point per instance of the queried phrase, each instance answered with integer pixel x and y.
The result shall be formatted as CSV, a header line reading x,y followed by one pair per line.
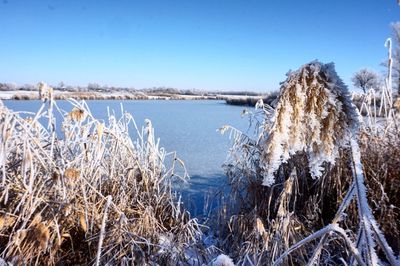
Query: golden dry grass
x,y
90,196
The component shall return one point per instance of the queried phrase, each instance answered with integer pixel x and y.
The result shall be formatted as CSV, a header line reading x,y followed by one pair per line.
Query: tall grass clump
x,y
90,195
308,190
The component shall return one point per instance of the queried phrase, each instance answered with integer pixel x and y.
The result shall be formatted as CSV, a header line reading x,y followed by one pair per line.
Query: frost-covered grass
x,y
319,185
90,196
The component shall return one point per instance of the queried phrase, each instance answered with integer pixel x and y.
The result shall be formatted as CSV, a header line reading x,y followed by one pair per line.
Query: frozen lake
x,y
187,127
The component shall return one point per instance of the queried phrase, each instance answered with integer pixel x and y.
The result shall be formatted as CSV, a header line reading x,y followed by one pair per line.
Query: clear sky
x,y
203,44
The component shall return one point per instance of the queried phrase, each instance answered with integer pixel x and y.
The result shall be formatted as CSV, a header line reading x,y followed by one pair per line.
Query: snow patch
x,y
223,260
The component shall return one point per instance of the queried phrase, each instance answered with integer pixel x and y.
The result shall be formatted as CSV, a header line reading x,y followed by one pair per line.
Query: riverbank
x,y
92,95
137,95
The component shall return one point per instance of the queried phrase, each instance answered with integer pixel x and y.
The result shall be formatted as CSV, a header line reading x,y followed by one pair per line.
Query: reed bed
x,y
90,195
269,99
319,186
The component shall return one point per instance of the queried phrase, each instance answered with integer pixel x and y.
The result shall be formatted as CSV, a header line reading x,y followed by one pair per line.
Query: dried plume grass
x,y
313,115
314,210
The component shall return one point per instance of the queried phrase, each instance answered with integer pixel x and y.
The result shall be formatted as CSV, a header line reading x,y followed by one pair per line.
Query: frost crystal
x,y
314,115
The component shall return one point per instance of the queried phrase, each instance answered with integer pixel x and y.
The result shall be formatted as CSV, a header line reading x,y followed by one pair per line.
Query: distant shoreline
x,y
21,95
64,95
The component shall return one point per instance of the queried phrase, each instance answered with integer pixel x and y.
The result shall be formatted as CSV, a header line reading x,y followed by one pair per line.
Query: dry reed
x,y
89,196
314,209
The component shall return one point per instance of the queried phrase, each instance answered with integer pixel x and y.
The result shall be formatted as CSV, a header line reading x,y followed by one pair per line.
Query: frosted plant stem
x,y
351,245
368,222
384,245
102,230
345,203
299,244
388,44
363,207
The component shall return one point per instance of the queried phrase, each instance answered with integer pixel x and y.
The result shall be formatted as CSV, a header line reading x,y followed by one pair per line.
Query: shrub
x,y
24,97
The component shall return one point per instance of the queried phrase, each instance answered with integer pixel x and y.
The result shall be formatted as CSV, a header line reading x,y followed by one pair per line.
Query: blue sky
x,y
207,44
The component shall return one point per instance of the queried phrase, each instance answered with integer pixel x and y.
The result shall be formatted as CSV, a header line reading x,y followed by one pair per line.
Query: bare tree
x,y
366,79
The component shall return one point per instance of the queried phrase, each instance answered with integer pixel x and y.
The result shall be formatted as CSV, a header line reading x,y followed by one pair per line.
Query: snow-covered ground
x,y
7,95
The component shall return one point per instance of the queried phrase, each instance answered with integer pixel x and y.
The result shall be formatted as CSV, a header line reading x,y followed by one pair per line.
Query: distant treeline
x,y
62,87
94,87
112,96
